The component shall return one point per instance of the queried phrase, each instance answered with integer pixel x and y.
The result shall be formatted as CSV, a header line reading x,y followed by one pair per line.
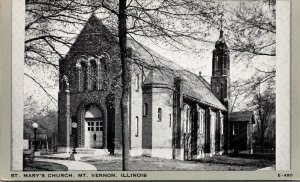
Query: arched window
x,y
186,123
213,124
145,109
103,68
218,89
187,120
64,83
136,126
201,121
220,62
94,74
84,75
221,124
216,63
137,82
159,114
79,76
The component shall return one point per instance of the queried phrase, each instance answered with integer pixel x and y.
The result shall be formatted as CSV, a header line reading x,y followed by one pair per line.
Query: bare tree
x,y
50,29
264,106
241,91
252,29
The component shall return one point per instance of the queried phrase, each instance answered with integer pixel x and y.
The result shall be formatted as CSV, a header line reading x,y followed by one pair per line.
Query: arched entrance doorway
x,y
94,127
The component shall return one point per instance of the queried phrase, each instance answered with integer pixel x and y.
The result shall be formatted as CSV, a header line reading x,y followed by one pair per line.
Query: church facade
x,y
173,113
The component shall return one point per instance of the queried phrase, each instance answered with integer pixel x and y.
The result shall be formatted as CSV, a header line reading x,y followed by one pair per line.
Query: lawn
x,y
241,160
43,166
216,163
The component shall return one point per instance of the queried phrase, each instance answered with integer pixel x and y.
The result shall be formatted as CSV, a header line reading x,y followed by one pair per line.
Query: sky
x,y
193,62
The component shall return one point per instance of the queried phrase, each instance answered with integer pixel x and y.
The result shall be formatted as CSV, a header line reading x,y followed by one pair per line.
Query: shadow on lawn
x,y
144,163
43,166
253,160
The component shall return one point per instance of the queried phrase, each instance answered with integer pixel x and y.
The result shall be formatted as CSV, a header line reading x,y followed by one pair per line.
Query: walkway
x,y
72,165
270,168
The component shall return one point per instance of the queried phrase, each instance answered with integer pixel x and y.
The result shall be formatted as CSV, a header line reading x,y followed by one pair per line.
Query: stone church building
x,y
173,113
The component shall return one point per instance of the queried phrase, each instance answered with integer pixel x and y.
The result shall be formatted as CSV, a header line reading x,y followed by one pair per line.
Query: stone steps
x,y
92,151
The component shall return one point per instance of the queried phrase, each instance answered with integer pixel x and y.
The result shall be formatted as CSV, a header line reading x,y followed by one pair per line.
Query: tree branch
x,y
48,94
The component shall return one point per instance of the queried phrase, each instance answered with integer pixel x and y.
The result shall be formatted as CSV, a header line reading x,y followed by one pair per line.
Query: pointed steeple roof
x,y
221,44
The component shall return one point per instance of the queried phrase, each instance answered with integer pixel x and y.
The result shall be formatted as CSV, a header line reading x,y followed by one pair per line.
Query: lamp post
x,y
35,126
74,127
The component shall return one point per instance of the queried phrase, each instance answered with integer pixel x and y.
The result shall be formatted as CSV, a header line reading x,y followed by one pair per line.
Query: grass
x,y
240,160
43,166
143,163
237,162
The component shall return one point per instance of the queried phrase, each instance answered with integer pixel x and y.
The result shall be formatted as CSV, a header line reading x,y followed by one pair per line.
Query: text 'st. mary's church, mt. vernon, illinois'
x,y
173,113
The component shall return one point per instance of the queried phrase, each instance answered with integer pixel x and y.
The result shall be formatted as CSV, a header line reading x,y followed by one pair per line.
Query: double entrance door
x,y
94,133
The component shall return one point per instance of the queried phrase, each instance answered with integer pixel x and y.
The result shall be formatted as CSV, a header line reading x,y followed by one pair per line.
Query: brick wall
x,y
94,42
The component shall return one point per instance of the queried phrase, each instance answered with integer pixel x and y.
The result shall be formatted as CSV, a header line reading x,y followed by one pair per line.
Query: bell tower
x,y
221,70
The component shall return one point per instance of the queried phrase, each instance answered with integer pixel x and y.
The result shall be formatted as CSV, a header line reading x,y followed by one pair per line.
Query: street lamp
x,y
35,126
74,127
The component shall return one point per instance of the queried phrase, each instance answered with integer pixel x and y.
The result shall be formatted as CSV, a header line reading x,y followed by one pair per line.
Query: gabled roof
x,y
150,57
243,116
194,86
91,39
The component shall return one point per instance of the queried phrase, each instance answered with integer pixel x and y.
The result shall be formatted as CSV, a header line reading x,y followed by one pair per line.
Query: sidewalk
x,y
72,165
270,168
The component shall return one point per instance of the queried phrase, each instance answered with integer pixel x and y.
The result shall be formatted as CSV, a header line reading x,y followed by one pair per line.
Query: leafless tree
x,y
252,29
264,106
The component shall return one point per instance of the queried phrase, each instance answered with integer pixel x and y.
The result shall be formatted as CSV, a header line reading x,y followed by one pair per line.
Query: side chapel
x,y
173,113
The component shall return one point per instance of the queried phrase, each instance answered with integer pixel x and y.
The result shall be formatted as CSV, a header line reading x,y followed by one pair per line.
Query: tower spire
x,y
221,27
221,67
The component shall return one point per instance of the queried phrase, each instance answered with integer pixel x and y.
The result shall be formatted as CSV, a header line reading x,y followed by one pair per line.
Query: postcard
x,y
146,90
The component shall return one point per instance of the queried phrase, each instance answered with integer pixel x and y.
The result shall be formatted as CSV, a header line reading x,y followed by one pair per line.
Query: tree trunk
x,y
125,83
262,134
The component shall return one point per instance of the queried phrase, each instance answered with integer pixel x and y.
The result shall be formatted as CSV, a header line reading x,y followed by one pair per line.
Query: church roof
x,y
241,116
150,57
194,86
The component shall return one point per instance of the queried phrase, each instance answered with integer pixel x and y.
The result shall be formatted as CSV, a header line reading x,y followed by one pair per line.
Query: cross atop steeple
x,y
221,27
